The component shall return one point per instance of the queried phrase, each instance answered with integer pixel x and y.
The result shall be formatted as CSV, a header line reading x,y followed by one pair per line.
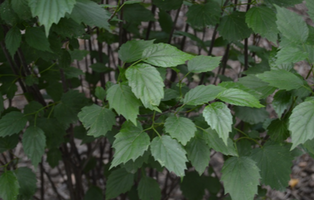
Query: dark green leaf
x,y
13,40
54,131
27,181
146,84
125,103
193,186
119,181
291,25
9,186
284,3
181,128
201,63
168,5
137,13
233,27
276,176
100,67
34,142
12,123
36,38
8,142
148,189
7,14
169,153
301,123
165,21
164,55
93,193
219,117
251,115
72,72
278,130
130,143
282,100
97,120
239,173
100,93
53,157
133,50
202,15
202,94
310,7
21,8
281,79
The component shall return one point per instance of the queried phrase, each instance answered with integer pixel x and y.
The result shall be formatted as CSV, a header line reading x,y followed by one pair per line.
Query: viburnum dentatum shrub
x,y
107,94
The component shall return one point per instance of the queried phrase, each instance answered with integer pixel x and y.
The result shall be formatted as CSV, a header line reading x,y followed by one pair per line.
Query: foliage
x,y
124,108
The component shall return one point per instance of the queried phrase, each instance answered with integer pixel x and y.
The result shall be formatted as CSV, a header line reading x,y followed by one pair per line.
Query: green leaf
x,y
119,181
13,40
239,98
7,14
54,131
27,181
169,153
254,83
137,13
251,115
146,84
34,142
281,79
278,130
93,193
233,27
165,21
301,123
8,142
198,153
12,123
100,67
276,176
97,120
284,3
125,103
281,101
202,94
130,143
202,15
9,186
288,55
50,11
219,117
239,173
90,13
53,157
201,63
181,128
71,103
214,141
168,5
100,93
291,25
72,72
310,7
36,38
133,50
21,8
164,55
148,189
262,20
193,186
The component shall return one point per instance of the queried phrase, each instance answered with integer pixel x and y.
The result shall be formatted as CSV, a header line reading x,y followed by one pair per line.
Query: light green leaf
x,y
164,55
148,189
169,153
202,94
119,181
130,143
71,103
251,115
27,181
9,186
281,79
202,63
125,103
262,20
239,173
97,120
288,55
146,84
13,40
233,27
254,83
214,141
310,7
12,123
239,98
291,25
201,15
276,176
301,123
36,38
198,153
219,117
50,11
281,101
133,50
91,14
181,128
34,142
